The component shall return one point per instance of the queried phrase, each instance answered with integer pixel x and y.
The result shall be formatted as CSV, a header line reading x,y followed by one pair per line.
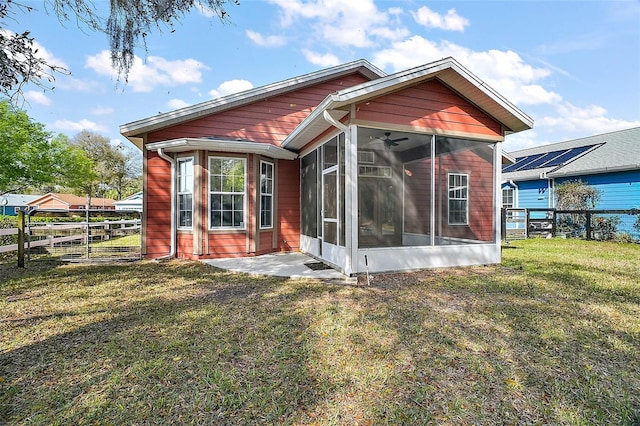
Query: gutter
x,y
172,161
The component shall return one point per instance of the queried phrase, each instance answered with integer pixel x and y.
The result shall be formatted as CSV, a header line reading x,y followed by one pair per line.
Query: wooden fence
x,y
588,224
109,239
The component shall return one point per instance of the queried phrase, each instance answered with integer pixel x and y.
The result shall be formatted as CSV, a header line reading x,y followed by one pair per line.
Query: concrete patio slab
x,y
291,265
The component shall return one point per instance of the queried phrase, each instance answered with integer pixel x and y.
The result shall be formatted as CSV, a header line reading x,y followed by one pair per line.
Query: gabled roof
x,y
135,129
447,70
72,200
604,153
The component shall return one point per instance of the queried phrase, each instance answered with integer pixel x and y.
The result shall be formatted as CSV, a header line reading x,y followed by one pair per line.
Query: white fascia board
x,y
398,80
252,95
221,145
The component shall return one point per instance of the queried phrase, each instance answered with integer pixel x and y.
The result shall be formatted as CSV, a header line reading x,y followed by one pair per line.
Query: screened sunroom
x,y
399,200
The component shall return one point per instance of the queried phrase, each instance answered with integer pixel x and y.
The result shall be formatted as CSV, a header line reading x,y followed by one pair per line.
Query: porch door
x,y
330,215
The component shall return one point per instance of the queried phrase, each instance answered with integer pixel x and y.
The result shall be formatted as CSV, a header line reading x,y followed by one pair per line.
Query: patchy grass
x,y
550,337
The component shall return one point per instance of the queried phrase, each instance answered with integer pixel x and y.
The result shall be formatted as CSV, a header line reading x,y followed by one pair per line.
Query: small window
x,y
185,193
227,188
366,157
458,199
507,198
266,195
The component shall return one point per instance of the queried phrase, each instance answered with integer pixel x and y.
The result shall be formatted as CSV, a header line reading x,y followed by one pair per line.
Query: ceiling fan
x,y
387,141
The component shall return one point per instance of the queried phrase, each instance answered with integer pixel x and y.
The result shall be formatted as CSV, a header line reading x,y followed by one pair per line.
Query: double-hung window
x,y
266,195
227,188
458,199
507,198
185,193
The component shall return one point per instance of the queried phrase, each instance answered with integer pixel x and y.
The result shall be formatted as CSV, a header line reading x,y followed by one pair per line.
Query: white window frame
x,y
243,193
185,187
267,194
513,199
456,188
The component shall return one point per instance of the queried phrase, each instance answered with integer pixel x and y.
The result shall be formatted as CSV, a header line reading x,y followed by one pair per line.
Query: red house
x,y
347,164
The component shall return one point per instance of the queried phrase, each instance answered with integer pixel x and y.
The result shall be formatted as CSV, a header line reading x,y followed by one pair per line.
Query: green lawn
x,y
550,337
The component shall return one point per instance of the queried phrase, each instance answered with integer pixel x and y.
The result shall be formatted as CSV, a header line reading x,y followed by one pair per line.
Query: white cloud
x,y
230,87
504,71
100,110
268,41
78,126
430,19
591,119
177,104
356,23
326,60
157,71
36,97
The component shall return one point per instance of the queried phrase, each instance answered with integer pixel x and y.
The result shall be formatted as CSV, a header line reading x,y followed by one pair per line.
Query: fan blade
x,y
399,139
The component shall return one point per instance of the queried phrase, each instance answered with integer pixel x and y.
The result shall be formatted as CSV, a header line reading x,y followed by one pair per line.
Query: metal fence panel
x,y
84,236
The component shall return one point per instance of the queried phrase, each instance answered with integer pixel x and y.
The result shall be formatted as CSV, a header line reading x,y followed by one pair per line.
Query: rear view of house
x,y
348,164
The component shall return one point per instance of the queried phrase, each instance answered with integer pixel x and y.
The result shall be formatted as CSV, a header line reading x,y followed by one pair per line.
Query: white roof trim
x,y
445,69
213,106
223,145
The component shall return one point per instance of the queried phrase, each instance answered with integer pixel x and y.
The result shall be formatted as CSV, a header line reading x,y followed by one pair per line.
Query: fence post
x,y
554,226
588,226
21,239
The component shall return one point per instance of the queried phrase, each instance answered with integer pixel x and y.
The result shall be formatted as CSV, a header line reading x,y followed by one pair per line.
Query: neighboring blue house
x,y
10,202
609,162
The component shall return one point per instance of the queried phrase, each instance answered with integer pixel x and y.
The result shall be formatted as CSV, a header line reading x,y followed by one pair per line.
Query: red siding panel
x,y
289,205
429,105
267,121
158,208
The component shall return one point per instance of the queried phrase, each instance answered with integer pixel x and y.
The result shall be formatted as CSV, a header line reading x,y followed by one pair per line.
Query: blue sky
x,y
573,66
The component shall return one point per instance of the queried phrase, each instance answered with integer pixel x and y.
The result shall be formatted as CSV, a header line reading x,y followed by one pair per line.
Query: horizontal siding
x,y
158,208
266,242
480,172
185,244
266,121
429,105
288,205
620,190
227,245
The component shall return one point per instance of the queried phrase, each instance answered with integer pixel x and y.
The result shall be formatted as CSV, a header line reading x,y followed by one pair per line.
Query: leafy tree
x,y
30,156
576,195
127,25
116,169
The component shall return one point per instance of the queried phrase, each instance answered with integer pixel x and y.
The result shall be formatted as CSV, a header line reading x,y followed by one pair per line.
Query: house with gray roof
x,y
609,162
11,203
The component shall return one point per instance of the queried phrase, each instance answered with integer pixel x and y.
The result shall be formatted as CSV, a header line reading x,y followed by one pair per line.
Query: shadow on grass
x,y
185,343
219,348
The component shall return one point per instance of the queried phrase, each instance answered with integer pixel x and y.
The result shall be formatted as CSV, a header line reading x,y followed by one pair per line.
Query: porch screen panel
x,y
309,195
464,191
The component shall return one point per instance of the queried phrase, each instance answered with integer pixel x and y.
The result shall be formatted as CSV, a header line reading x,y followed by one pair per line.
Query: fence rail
x,y
115,236
623,225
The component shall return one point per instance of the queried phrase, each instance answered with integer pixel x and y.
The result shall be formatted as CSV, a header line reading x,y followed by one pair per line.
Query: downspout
x,y
172,161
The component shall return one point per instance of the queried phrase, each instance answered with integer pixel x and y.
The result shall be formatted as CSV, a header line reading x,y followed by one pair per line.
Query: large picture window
x,y
458,199
266,195
227,188
185,193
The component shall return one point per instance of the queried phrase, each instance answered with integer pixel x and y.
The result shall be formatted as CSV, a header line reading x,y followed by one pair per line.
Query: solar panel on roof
x,y
569,155
548,159
521,161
